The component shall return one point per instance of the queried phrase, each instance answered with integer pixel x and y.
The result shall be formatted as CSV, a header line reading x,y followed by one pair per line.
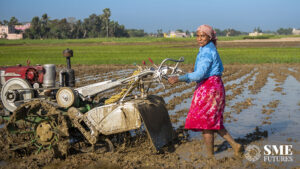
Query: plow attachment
x,y
113,119
157,121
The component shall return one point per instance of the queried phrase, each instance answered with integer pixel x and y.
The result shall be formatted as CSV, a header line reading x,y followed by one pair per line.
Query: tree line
x,y
100,26
69,28
233,32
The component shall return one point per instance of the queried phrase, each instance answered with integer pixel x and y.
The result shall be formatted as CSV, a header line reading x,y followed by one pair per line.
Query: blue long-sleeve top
x,y
208,63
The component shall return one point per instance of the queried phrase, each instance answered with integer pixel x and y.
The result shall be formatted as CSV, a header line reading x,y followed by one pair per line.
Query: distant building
x,y
175,34
22,27
295,32
255,34
10,32
4,31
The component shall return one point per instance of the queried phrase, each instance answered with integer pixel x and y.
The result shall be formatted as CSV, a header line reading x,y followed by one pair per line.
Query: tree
x,y
179,30
219,32
45,29
78,30
283,31
106,15
269,32
136,32
231,32
5,22
257,30
160,33
92,26
36,27
55,31
85,27
65,28
187,32
72,22
118,30
13,21
1,23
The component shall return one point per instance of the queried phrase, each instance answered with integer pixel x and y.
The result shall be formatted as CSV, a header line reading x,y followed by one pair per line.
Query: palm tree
x,y
13,21
106,15
44,26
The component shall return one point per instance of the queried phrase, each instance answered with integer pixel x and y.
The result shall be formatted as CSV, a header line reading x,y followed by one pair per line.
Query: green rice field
x,y
134,50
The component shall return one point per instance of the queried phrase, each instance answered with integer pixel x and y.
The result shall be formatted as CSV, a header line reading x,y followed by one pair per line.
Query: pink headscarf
x,y
210,32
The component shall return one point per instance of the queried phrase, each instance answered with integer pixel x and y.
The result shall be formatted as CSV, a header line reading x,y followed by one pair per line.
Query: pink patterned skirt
x,y
206,111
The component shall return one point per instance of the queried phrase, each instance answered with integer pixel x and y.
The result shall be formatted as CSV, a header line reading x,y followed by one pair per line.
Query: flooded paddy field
x,y
262,108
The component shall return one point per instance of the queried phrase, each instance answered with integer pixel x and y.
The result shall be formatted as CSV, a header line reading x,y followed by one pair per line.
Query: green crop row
x,y
129,54
91,41
125,40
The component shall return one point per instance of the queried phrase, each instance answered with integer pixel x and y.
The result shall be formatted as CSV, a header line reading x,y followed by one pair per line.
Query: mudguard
x,y
156,120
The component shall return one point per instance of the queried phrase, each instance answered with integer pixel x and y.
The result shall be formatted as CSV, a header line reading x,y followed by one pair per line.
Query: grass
x,y
114,54
260,55
91,41
88,51
124,40
265,36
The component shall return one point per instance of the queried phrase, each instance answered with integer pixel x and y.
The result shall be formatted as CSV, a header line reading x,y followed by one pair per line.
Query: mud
x,y
262,107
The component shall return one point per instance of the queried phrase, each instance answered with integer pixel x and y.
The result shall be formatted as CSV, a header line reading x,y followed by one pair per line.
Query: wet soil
x,y
262,107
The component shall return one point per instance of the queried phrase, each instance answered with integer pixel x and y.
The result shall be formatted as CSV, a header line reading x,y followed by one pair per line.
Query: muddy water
x,y
282,125
285,116
278,124
256,113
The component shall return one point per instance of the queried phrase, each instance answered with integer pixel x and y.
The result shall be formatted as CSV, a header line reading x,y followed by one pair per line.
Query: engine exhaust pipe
x,y
67,76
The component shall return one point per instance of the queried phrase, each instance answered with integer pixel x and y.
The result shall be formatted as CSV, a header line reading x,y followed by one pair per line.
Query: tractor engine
x,y
23,83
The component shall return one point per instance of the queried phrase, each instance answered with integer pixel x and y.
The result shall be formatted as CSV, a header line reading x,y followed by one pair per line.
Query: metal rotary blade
x,y
10,94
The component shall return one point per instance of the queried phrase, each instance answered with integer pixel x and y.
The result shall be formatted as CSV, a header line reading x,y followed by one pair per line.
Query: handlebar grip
x,y
181,59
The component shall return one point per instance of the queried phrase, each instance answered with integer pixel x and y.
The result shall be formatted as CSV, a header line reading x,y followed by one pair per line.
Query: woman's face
x,y
202,38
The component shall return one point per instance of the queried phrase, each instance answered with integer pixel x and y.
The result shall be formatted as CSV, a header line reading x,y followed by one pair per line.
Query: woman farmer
x,y
206,111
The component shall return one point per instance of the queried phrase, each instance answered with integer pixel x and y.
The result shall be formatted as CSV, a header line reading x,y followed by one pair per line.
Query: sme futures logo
x,y
271,153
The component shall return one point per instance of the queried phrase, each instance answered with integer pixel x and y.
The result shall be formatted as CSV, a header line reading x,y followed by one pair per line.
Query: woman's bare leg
x,y
236,146
208,136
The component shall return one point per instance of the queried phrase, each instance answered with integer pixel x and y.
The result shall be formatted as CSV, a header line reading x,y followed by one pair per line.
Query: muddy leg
x,y
208,136
236,146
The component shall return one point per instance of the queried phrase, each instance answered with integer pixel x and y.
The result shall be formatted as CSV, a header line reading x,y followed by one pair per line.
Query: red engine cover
x,y
33,74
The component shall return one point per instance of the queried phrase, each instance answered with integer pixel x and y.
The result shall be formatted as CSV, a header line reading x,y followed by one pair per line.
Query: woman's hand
x,y
173,79
191,70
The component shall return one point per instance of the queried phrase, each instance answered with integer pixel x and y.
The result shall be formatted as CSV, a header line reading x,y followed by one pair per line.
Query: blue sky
x,y
151,15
